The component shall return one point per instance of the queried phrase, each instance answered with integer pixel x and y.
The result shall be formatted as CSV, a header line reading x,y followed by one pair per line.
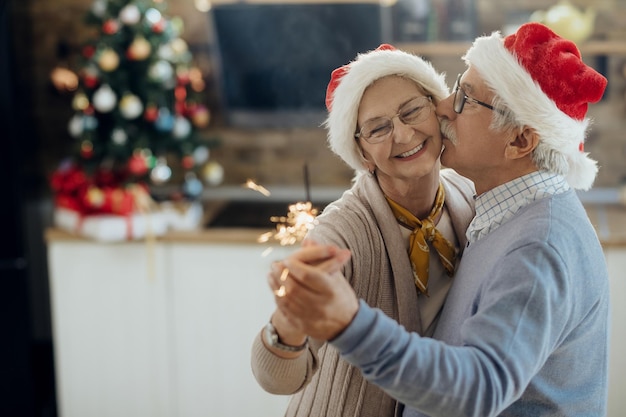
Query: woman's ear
x,y
522,144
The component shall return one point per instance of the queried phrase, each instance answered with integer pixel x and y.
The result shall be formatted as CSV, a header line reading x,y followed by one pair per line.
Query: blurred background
x,y
264,67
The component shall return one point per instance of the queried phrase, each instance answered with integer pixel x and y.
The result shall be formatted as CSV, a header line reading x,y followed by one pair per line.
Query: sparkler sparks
x,y
256,187
292,228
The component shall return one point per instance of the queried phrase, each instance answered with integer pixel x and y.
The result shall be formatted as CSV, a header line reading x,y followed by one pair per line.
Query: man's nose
x,y
445,108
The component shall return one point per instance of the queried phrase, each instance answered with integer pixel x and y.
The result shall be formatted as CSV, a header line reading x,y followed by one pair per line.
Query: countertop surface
x,y
609,221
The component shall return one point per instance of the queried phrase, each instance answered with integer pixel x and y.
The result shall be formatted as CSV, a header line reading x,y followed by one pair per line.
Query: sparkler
x,y
293,227
254,186
300,218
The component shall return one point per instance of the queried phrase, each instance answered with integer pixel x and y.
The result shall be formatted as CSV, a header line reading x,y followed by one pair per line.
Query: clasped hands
x,y
311,294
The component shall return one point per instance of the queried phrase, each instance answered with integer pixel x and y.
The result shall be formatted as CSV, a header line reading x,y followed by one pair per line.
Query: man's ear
x,y
522,144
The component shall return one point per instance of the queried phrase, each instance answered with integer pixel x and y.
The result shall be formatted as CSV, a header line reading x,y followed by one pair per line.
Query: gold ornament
x,y
139,49
109,60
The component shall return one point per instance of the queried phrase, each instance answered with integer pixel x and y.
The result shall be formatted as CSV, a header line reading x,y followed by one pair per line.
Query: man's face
x,y
472,148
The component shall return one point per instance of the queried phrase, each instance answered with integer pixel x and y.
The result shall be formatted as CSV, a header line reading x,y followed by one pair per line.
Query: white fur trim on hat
x,y
560,135
363,71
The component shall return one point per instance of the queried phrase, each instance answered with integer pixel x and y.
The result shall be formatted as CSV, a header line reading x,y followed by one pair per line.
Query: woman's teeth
x,y
411,152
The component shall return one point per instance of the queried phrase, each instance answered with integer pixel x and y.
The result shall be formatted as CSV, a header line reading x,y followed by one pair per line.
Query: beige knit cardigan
x,y
322,384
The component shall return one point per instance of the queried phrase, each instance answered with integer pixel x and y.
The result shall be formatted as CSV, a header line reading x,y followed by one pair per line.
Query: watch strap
x,y
272,339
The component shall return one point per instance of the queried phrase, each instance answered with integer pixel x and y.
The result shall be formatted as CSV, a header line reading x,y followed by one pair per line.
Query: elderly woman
x,y
403,220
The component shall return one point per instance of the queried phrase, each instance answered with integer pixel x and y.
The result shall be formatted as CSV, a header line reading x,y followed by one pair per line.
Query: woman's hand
x,y
312,294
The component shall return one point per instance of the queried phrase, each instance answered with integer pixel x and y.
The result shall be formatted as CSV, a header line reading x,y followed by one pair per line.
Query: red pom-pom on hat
x,y
556,66
337,75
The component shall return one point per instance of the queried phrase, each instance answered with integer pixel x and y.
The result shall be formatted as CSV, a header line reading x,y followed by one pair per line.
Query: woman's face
x,y
409,152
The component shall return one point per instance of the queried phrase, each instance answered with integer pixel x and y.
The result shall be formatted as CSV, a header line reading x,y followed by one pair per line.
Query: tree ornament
x,y
165,120
137,164
177,25
104,99
139,49
119,136
90,77
130,106
110,27
192,187
159,26
86,149
89,121
130,14
213,173
161,71
188,162
182,127
151,114
80,101
201,116
153,16
88,51
76,126
161,173
201,155
165,52
109,60
94,197
99,7
182,75
179,46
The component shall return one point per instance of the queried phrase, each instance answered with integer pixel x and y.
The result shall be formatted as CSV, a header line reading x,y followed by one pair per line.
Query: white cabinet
x,y
616,261
158,330
166,330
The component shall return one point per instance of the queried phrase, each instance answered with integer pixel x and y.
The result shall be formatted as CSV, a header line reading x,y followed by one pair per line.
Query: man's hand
x,y
311,292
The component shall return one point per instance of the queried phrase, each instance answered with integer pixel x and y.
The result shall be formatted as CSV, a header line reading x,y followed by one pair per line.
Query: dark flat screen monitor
x,y
275,60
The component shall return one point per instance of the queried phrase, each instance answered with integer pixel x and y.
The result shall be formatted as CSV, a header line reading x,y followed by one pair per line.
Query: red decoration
x,y
110,27
151,113
86,149
137,164
188,162
159,26
89,51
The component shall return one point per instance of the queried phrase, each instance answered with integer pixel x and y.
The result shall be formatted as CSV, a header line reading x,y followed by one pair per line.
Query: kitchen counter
x,y
608,219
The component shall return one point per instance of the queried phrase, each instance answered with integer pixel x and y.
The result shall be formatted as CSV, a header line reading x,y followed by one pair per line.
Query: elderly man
x,y
524,331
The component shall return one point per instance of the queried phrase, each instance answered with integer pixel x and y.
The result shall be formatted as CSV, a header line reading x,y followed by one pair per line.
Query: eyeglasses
x,y
413,112
460,98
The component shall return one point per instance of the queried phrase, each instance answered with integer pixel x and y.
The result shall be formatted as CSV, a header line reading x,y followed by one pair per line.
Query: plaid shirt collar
x,y
498,205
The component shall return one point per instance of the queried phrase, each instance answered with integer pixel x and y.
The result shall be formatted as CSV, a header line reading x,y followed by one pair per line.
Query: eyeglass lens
x,y
413,112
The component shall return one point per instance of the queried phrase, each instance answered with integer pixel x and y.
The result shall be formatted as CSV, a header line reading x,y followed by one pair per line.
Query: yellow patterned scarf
x,y
424,231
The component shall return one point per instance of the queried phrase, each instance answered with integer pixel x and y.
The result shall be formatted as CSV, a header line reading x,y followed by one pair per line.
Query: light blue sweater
x,y
524,331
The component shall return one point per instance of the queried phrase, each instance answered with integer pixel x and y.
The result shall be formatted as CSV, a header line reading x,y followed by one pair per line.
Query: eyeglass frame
x,y
465,97
359,134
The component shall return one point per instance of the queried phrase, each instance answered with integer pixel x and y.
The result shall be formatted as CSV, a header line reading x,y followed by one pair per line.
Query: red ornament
x,y
90,81
159,26
151,113
110,27
86,149
89,51
180,93
188,162
137,164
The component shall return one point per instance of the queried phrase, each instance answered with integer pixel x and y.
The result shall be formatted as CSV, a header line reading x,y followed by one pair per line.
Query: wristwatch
x,y
271,337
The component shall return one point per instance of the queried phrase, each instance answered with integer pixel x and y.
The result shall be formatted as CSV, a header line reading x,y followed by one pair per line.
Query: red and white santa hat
x,y
542,79
348,83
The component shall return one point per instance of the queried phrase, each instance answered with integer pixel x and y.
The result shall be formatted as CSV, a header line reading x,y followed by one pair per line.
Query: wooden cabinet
x,y
158,330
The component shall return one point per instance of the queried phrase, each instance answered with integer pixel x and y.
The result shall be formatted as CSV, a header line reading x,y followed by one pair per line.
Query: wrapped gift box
x,y
184,215
109,227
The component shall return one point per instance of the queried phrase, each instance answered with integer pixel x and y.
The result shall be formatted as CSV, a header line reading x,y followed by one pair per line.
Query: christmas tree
x,y
138,109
